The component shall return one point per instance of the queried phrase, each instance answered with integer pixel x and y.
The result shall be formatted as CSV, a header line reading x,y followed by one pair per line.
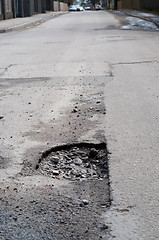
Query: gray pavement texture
x,y
80,78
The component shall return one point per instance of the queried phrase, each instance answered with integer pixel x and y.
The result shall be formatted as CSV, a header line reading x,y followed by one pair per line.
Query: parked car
x,y
76,8
80,8
98,7
87,8
72,8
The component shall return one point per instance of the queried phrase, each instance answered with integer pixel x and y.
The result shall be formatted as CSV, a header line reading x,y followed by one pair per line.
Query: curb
x,y
31,23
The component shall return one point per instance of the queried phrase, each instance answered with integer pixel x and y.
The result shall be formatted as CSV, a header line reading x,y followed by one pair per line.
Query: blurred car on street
x,y
98,7
72,8
75,8
80,8
87,8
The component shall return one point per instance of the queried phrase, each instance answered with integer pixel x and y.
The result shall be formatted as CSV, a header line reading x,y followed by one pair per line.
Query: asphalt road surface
x,y
76,79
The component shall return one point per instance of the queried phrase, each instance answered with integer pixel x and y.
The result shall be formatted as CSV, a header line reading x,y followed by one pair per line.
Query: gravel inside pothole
x,y
75,163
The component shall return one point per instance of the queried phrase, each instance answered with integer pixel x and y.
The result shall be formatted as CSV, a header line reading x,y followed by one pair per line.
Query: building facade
x,y
1,12
57,5
6,9
150,5
21,8
133,4
27,8
138,4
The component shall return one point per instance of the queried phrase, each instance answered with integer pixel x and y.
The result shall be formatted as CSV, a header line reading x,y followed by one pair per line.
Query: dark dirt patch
x,y
68,213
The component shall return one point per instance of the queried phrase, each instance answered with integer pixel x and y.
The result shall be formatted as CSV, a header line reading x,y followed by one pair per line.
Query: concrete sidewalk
x,y
21,23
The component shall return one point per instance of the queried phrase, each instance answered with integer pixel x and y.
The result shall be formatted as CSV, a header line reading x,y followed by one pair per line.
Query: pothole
x,y
72,211
79,161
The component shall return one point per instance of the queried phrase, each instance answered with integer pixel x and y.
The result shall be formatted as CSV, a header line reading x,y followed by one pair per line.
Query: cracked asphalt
x,y
79,78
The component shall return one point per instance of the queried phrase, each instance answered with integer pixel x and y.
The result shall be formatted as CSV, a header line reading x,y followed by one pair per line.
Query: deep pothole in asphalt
x,y
74,210
79,161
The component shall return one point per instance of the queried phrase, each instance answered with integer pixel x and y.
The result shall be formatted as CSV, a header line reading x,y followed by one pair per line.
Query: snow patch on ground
x,y
137,23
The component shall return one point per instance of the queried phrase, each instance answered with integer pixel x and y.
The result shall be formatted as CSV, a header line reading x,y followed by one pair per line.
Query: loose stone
x,y
54,160
85,202
55,172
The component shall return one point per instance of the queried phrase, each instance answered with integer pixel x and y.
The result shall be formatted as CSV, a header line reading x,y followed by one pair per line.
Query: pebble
x,y
85,202
54,160
55,172
74,110
78,161
104,226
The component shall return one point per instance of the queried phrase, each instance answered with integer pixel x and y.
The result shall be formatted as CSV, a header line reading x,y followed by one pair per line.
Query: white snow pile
x,y
137,23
